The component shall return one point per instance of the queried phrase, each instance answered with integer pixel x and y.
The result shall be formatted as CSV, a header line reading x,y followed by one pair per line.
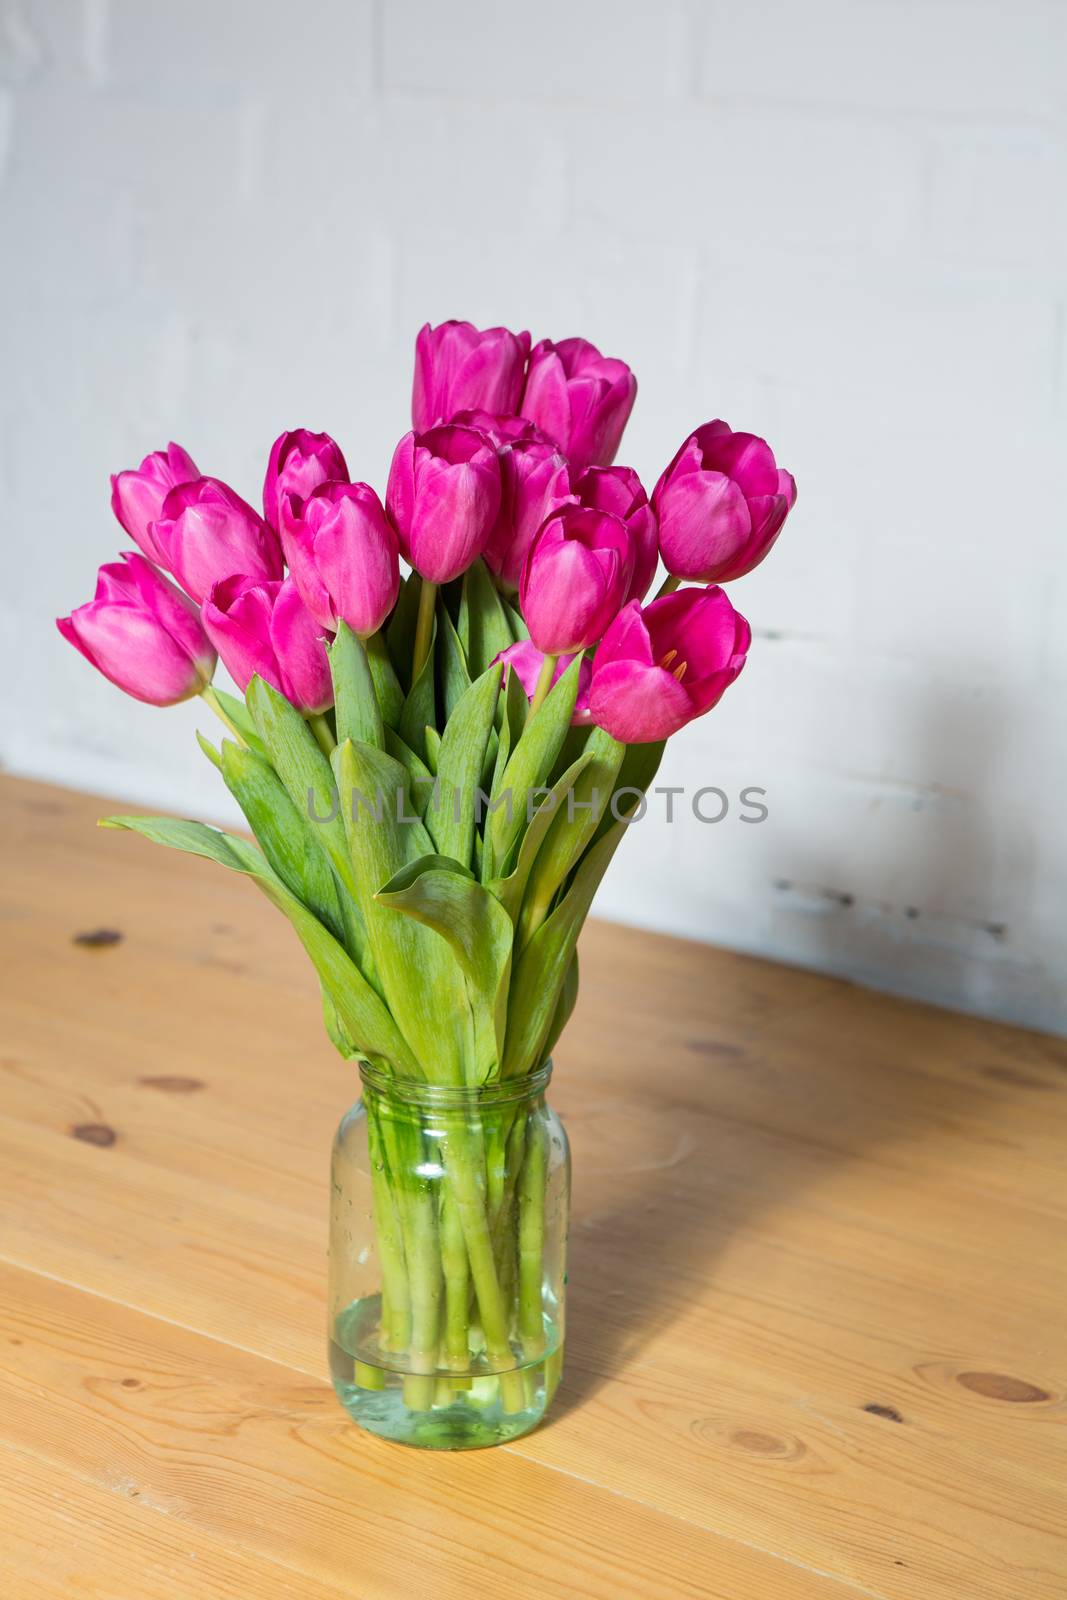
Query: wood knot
x,y
999,1386
97,1133
758,1443
97,938
890,1413
169,1083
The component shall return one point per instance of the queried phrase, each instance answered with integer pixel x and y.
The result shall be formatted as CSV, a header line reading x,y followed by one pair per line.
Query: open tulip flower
x,y
342,555
299,462
534,481
137,497
460,368
437,769
142,633
580,398
575,577
263,629
659,667
443,498
721,504
207,532
619,490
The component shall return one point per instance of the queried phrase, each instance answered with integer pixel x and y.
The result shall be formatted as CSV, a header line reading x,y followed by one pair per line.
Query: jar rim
x,y
459,1096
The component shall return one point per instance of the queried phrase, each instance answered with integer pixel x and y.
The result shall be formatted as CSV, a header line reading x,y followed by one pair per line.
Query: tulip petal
x,y
637,704
703,521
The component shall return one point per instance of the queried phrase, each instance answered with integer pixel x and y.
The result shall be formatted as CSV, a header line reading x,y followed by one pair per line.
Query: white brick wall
x,y
842,223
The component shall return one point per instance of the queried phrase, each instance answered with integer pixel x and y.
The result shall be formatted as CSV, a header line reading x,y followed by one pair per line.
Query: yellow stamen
x,y
679,672
668,658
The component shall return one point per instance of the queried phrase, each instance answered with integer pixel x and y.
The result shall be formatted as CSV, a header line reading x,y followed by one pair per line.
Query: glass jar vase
x,y
448,1234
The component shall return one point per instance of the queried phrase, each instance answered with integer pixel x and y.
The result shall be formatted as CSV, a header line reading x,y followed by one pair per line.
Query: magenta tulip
x,y
658,667
576,576
262,628
619,490
299,462
721,504
342,555
460,368
580,398
207,532
526,661
137,497
501,430
534,481
443,498
142,633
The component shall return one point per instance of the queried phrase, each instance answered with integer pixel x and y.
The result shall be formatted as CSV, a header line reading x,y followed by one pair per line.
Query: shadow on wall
x,y
916,888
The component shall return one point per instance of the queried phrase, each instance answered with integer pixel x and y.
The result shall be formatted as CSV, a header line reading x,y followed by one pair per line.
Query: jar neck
x,y
453,1097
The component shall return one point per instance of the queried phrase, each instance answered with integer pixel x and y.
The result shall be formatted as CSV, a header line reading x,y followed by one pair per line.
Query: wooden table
x,y
818,1280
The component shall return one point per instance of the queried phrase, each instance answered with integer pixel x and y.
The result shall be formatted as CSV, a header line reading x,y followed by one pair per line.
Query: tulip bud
x,y
721,504
299,462
261,627
142,634
443,498
207,532
137,497
575,578
342,555
526,661
501,430
619,490
580,398
459,368
658,667
534,481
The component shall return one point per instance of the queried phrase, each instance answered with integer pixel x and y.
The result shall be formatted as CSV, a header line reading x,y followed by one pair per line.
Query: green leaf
x,y
210,751
355,701
511,890
400,629
530,763
573,825
441,893
541,969
432,741
568,999
483,627
454,677
518,627
284,833
238,714
420,706
365,1019
423,783
639,766
309,782
420,980
386,683
335,1027
459,767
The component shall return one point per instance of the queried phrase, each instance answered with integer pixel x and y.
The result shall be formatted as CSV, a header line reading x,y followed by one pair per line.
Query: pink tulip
x,y
443,497
576,576
142,633
501,430
207,532
619,490
299,462
580,398
459,368
534,481
658,667
721,504
137,497
526,661
342,555
262,627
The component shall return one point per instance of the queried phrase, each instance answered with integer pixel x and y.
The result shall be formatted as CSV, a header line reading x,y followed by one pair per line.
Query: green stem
x,y
464,1162
396,1297
210,698
423,627
532,1239
323,733
668,586
424,1273
457,1287
544,684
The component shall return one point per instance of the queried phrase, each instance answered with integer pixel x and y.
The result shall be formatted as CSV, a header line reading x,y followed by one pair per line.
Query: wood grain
x,y
818,1286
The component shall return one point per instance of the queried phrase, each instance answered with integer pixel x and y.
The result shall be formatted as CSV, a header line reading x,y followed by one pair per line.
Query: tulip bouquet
x,y
438,767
